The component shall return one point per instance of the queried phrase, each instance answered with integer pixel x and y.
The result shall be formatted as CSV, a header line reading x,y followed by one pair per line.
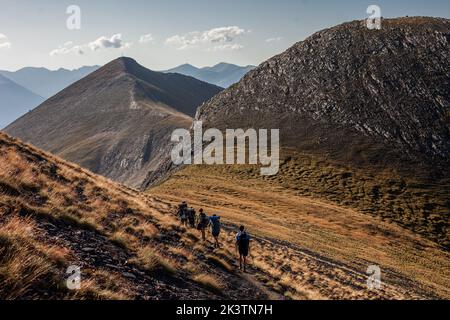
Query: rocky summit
x,y
347,85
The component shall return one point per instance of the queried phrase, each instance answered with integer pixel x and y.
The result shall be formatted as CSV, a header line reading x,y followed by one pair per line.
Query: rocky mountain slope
x,y
389,85
117,120
364,118
15,101
222,74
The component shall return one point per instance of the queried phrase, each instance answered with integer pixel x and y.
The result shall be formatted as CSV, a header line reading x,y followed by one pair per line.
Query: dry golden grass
x,y
23,264
42,186
181,252
220,262
343,234
152,262
122,239
192,268
210,282
147,230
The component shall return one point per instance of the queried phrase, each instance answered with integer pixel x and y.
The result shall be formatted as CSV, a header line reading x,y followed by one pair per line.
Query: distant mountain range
x,y
117,120
44,82
222,74
25,89
15,101
30,86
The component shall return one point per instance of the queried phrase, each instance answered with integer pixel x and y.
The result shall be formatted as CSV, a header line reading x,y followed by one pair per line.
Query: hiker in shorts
x,y
243,247
191,217
214,221
203,223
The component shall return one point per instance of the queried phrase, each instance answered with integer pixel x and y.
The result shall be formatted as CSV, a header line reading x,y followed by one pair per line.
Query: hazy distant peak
x,y
222,74
45,82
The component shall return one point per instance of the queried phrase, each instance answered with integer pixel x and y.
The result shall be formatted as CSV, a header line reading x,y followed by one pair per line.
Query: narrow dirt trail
x,y
285,270
94,252
309,275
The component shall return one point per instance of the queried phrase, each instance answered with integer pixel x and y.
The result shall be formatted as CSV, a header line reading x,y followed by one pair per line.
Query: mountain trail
x,y
282,270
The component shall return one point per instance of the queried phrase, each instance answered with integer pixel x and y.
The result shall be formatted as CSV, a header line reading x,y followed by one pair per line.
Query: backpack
x,y
203,221
243,241
215,221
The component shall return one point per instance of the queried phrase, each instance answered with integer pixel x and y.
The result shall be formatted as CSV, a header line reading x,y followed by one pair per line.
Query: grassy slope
x,y
401,194
304,213
54,214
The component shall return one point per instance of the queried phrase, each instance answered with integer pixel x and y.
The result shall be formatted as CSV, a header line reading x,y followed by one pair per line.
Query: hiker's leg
x,y
240,261
245,263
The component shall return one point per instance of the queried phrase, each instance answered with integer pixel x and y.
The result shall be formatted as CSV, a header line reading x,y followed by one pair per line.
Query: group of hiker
x,y
188,218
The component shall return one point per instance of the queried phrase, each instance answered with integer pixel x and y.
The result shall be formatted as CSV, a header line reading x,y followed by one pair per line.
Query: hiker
x,y
182,213
191,217
203,223
243,247
215,229
181,207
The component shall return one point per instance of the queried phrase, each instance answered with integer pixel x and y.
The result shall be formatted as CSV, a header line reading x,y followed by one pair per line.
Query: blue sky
x,y
200,32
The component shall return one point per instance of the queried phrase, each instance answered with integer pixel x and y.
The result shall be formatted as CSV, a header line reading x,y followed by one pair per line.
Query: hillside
x,y
364,118
54,214
44,82
312,243
222,74
116,121
15,101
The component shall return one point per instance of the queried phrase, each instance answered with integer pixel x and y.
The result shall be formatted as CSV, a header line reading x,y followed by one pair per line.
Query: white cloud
x,y
4,43
115,42
223,34
277,39
103,42
146,38
189,40
66,48
227,47
215,35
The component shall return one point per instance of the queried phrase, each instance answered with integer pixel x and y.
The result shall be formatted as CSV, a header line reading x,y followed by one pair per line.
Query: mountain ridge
x,y
222,74
45,82
15,101
117,120
324,103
